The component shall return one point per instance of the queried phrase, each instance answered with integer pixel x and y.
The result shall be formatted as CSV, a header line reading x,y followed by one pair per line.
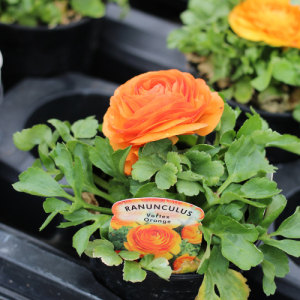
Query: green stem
x,y
200,140
65,186
100,182
105,196
217,139
103,210
224,185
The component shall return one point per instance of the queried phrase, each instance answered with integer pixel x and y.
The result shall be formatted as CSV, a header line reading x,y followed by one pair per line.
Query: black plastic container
x,y
283,123
46,52
179,287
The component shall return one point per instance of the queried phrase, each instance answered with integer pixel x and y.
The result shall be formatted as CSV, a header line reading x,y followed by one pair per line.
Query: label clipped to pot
x,y
162,227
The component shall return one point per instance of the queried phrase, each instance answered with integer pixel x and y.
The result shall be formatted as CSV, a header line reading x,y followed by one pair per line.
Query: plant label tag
x,y
162,227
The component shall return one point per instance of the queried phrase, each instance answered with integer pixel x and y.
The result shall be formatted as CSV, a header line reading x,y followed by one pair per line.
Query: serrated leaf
x,y
118,190
231,286
274,210
217,262
160,147
173,157
28,138
259,188
146,260
228,197
37,182
85,129
243,160
189,188
135,185
202,165
129,255
211,150
166,176
228,119
62,128
151,190
190,176
237,242
263,137
290,227
287,142
53,206
146,167
133,272
107,254
252,124
160,266
78,217
269,285
227,138
277,258
89,251
37,164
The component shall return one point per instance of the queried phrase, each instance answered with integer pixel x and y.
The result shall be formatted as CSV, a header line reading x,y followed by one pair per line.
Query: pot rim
x,y
46,28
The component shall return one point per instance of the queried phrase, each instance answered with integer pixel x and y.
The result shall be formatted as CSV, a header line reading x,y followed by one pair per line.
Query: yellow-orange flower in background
x,y
158,105
192,233
275,22
159,240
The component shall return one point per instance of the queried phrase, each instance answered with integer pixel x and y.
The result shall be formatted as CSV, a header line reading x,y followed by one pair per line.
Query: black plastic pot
x,y
283,123
46,52
179,287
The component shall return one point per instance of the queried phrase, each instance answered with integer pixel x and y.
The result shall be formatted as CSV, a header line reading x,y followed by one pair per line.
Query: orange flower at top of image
x,y
159,240
192,233
158,105
275,22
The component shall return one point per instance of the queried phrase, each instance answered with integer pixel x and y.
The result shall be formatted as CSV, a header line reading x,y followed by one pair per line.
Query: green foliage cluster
x,y
242,69
52,12
228,180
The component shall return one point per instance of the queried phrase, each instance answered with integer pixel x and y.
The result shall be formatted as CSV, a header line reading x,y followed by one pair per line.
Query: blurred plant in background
x,y
266,75
49,12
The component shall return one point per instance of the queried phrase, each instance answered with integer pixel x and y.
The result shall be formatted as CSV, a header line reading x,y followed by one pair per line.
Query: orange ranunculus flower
x,y
181,259
275,22
159,240
158,105
117,224
192,233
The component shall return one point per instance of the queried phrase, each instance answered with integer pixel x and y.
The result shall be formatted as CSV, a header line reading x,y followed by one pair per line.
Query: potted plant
x,y
155,150
248,51
45,38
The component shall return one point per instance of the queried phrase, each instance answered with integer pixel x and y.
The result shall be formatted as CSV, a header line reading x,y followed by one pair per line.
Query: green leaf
x,y
227,138
217,262
47,161
243,90
89,8
160,266
173,157
202,165
289,246
53,206
190,140
231,286
28,138
166,176
243,161
251,125
129,255
263,137
85,129
89,250
290,227
269,285
62,128
259,188
135,185
284,71
228,197
237,242
190,176
106,252
261,82
274,210
118,190
110,162
37,182
277,258
146,260
296,113
211,150
151,190
78,217
161,147
189,188
37,164
228,119
133,272
146,167
287,142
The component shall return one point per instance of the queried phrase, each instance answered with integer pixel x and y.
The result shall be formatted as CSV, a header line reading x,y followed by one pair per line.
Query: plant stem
x,y
224,185
98,208
65,186
217,139
105,196
100,182
200,140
